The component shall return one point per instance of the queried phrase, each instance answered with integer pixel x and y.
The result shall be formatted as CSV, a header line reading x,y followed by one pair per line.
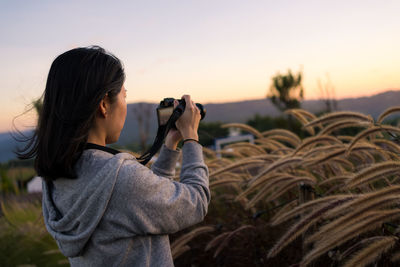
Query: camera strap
x,y
161,134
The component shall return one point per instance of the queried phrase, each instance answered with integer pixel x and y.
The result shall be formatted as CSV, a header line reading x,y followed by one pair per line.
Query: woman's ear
x,y
103,107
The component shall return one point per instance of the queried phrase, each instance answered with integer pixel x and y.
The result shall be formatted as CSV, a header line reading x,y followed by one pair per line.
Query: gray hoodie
x,y
119,213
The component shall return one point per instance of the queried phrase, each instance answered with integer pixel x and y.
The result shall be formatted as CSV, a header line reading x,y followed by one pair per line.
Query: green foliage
x,y
286,91
208,131
24,239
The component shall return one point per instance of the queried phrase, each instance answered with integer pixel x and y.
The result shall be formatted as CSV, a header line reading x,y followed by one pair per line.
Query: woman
x,y
103,207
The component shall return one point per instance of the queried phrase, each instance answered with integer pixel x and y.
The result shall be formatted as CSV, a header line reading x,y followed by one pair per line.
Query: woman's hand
x,y
188,123
174,136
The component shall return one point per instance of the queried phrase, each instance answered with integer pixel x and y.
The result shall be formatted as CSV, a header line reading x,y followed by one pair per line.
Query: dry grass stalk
x,y
303,112
368,222
387,145
231,153
225,181
335,179
247,145
279,164
302,226
243,127
289,185
361,199
268,141
343,124
209,153
353,217
339,115
225,238
180,242
326,157
216,240
282,132
305,208
284,139
386,113
237,164
372,252
321,149
256,185
316,140
267,188
345,138
302,115
375,171
344,163
370,131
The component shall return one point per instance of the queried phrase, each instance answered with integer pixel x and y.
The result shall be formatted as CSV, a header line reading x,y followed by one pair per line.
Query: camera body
x,y
166,108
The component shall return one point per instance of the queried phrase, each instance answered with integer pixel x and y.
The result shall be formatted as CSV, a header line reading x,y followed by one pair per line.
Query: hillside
x,y
236,112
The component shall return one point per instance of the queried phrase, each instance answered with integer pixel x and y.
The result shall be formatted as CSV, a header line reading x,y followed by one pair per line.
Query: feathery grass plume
x,y
269,141
303,225
243,127
353,217
387,145
216,240
345,138
267,188
372,252
246,145
231,153
339,115
284,139
305,208
301,115
292,204
282,132
316,140
387,112
220,161
224,242
303,112
321,149
369,221
325,157
357,246
343,124
344,163
240,163
370,131
180,242
339,152
361,199
268,178
372,172
225,181
335,179
279,164
209,153
289,185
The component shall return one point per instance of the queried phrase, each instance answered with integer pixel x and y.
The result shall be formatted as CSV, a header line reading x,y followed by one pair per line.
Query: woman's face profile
x,y
117,116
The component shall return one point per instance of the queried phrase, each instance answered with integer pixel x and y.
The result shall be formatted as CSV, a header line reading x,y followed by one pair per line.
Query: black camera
x,y
166,109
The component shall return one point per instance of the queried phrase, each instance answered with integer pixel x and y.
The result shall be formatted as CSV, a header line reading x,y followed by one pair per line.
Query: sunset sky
x,y
216,51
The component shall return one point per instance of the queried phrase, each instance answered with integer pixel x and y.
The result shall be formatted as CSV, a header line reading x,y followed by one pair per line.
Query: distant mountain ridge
x,y
239,111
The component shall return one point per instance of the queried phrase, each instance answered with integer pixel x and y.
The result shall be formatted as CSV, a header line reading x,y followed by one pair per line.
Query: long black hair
x,y
77,82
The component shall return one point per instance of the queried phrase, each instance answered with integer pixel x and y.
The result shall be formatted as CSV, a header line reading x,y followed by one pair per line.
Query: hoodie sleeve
x,y
153,204
166,162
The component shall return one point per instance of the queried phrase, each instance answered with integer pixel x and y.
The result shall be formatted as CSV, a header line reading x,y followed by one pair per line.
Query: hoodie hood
x,y
82,201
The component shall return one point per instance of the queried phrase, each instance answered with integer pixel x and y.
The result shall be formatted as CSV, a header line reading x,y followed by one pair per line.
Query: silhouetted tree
x,y
286,91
